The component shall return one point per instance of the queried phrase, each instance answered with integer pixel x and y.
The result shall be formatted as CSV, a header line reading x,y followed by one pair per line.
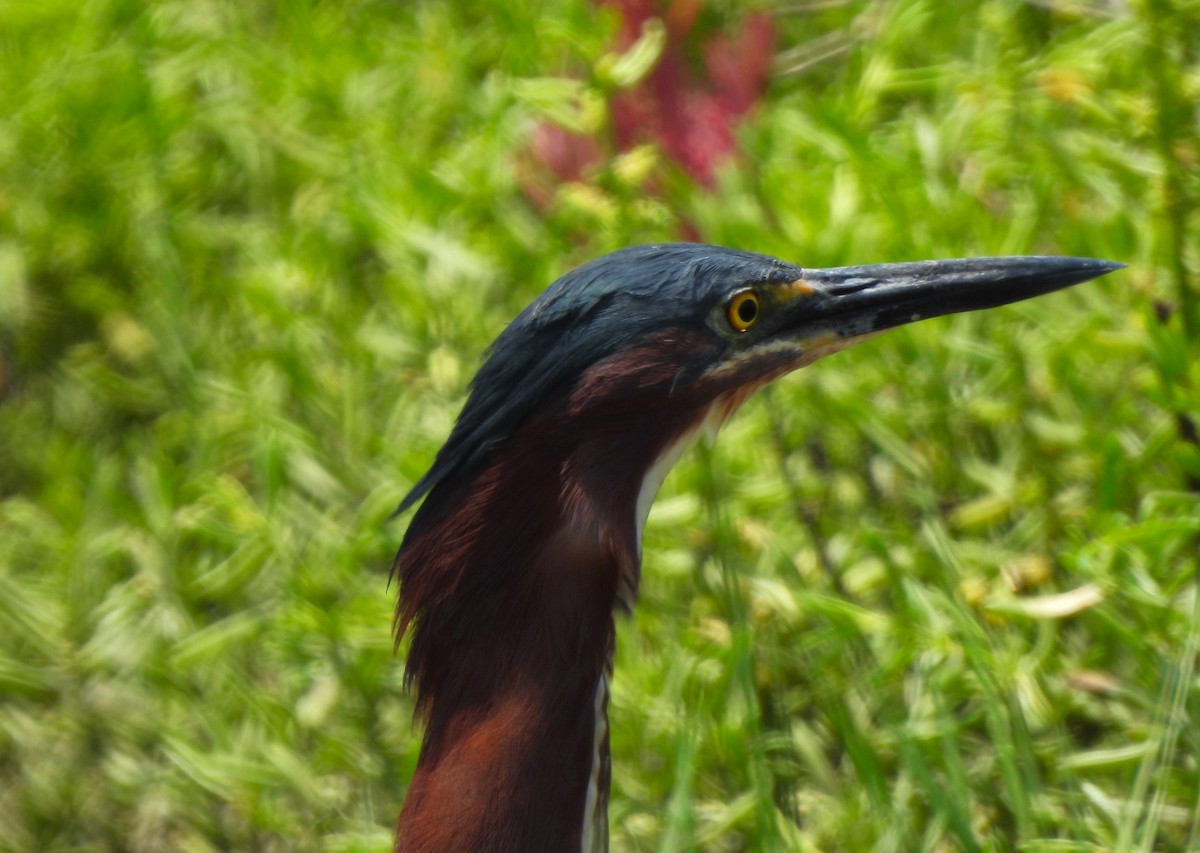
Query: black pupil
x,y
747,310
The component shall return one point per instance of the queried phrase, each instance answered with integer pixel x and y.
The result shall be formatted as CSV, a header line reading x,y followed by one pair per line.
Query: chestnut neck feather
x,y
508,582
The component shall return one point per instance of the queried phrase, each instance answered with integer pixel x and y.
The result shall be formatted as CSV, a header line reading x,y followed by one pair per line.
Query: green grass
x,y
251,253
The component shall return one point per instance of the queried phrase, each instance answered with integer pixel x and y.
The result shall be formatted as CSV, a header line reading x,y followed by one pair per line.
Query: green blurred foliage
x,y
937,593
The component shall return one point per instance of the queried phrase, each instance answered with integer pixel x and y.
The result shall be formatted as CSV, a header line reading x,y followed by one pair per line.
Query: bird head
x,y
707,325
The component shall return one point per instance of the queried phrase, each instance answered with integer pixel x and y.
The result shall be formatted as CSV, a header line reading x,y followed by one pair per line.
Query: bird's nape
x,y
528,535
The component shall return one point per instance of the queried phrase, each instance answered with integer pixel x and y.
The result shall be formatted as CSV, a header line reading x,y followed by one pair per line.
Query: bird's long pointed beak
x,y
855,301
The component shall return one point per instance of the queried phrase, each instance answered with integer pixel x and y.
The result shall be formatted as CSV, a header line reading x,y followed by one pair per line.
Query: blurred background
x,y
937,593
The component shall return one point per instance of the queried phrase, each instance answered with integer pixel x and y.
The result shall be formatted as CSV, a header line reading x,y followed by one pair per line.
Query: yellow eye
x,y
742,310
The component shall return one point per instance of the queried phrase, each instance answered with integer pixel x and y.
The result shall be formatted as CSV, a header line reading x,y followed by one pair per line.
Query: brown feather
x,y
507,587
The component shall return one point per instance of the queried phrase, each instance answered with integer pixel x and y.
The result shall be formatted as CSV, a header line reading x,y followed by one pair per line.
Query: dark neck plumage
x,y
512,637
508,583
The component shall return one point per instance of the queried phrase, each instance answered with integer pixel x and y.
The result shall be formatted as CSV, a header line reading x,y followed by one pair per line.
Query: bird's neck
x,y
516,758
511,652
508,583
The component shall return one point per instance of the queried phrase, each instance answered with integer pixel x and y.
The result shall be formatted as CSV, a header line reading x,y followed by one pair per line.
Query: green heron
x,y
529,536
